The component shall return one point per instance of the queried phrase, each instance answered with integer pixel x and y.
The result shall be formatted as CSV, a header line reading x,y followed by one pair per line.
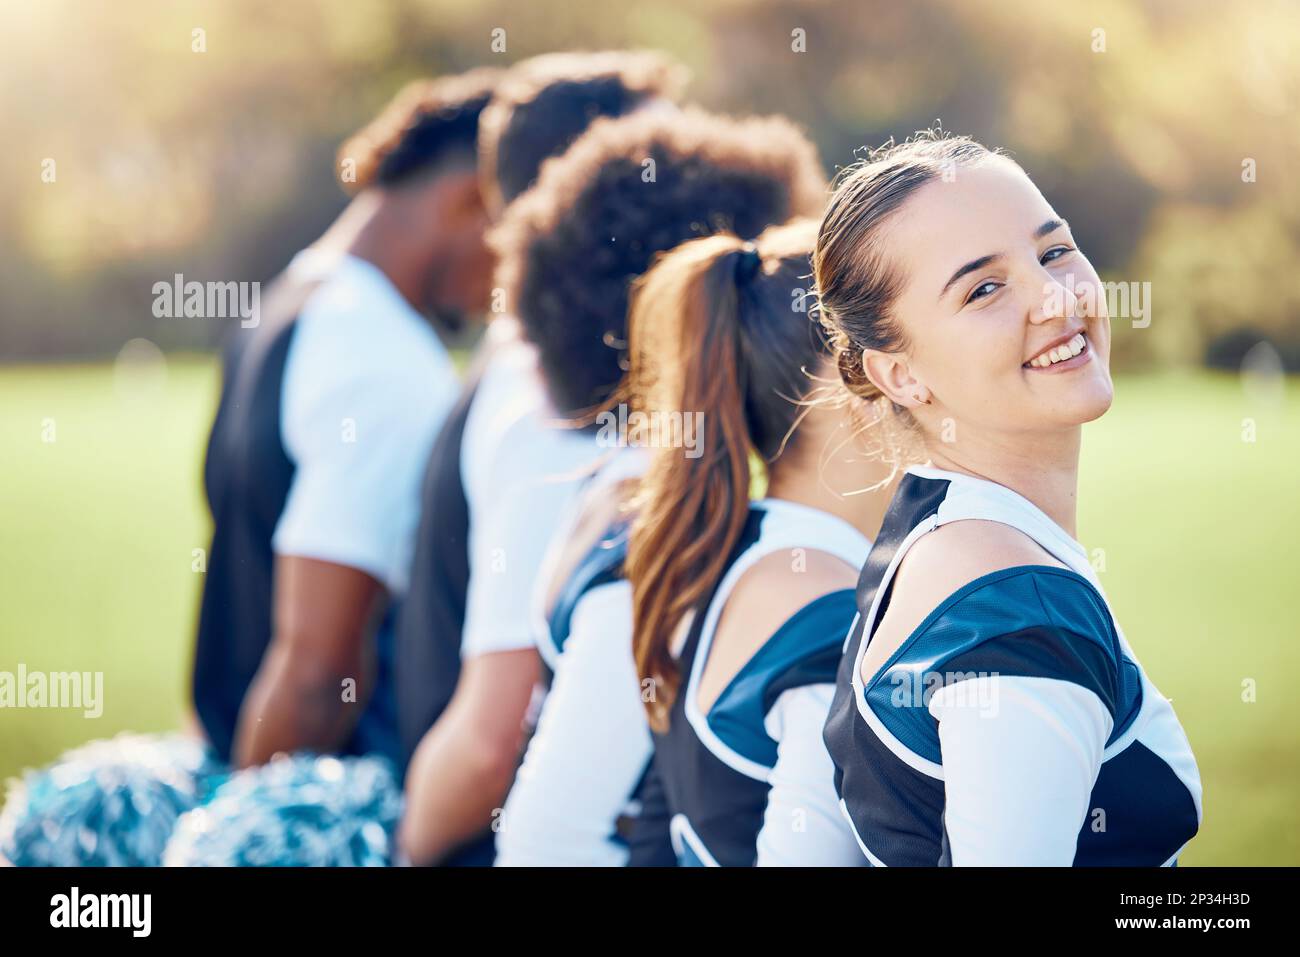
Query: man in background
x,y
328,410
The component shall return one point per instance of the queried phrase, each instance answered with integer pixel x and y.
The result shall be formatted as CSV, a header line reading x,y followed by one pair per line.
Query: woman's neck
x,y
1042,468
821,470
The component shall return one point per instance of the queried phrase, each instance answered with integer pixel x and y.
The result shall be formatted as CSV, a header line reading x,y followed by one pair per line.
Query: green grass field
x,y
1198,528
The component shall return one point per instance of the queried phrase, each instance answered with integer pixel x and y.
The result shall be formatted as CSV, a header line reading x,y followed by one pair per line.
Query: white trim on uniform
x,y
682,835
618,465
875,861
896,747
837,537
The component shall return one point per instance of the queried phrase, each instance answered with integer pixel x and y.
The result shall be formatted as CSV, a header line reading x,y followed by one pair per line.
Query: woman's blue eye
x,y
1056,252
979,291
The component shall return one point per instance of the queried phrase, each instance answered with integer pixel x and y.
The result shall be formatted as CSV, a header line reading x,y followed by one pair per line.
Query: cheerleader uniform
x,y
576,792
500,478
497,481
328,410
749,782
1015,725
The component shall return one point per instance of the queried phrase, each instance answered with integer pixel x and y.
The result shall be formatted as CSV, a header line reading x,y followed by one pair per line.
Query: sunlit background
x,y
1165,132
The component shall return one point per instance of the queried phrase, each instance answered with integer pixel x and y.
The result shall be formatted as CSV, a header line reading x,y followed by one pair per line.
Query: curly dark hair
x,y
545,103
570,248
427,122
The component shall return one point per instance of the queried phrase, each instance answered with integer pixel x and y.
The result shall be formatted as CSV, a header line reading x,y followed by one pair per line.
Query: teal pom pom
x,y
298,811
109,803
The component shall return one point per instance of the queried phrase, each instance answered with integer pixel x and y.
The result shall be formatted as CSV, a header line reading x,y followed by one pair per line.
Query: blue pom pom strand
x,y
299,810
109,803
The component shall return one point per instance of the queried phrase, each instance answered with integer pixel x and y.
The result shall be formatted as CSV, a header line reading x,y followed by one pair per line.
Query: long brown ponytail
x,y
721,328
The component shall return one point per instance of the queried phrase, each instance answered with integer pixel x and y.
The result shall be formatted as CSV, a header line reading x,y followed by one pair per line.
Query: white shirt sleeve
x,y
590,750
1020,758
508,545
509,540
521,471
362,400
803,825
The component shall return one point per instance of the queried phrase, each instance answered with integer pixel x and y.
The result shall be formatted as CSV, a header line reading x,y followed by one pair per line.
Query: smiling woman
x,y
954,293
992,278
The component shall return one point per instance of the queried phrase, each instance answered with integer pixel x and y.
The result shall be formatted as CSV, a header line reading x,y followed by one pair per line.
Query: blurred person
x,y
501,434
543,104
329,404
575,794
568,250
328,410
739,607
989,710
580,789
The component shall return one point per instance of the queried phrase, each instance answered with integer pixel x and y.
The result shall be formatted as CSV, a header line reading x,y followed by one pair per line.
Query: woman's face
x,y
1005,318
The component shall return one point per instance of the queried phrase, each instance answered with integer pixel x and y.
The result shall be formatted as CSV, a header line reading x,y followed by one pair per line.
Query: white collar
x,y
1006,497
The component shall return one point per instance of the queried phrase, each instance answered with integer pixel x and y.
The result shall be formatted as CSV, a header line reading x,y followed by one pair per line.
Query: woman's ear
x,y
892,375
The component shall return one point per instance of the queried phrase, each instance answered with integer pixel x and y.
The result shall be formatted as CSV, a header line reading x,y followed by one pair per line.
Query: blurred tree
x,y
1135,119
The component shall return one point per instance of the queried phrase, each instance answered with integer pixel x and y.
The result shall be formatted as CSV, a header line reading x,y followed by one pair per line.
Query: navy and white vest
x,y
1027,624
710,777
602,564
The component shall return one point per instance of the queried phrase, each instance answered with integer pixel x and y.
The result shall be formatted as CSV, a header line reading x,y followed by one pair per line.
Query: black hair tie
x,y
747,264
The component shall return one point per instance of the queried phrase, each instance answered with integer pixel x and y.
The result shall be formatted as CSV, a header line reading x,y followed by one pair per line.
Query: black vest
x,y
247,476
426,660
428,631
684,774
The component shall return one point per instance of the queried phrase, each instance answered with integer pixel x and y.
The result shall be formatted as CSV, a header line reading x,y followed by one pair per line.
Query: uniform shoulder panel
x,y
772,591
1028,621
936,566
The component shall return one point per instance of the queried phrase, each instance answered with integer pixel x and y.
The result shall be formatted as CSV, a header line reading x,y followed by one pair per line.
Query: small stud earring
x,y
919,399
